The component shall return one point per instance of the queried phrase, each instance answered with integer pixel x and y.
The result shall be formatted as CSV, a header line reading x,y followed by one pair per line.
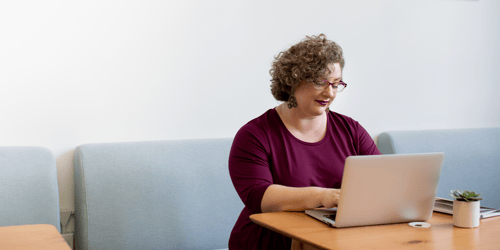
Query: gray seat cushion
x,y
28,187
471,161
154,195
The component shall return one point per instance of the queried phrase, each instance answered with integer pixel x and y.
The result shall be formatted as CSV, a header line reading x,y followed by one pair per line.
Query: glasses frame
x,y
334,89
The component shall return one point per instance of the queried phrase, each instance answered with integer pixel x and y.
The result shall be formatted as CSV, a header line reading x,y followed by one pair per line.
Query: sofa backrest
x,y
154,195
28,187
471,157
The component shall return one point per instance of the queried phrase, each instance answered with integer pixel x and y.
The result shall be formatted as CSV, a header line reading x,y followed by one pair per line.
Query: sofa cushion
x,y
154,195
471,161
28,187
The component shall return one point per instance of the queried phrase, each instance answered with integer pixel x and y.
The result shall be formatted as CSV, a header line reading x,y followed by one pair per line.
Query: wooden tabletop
x,y
33,237
441,235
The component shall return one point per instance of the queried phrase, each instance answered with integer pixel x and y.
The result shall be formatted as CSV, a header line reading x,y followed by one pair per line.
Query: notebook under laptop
x,y
385,189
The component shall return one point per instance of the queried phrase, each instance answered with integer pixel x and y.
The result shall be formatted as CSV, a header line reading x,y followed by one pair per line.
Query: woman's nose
x,y
330,91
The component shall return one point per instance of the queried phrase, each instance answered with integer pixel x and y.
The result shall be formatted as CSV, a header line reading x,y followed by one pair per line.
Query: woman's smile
x,y
323,103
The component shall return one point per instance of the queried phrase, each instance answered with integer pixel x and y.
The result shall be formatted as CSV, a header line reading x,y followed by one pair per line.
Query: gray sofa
x,y
28,187
471,157
154,195
178,194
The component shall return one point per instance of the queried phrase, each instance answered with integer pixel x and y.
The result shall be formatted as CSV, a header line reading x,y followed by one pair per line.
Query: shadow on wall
x,y
65,172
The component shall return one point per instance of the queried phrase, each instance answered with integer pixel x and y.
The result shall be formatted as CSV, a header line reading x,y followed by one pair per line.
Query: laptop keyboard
x,y
331,216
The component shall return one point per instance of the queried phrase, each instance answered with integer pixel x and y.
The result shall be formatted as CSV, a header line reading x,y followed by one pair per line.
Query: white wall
x,y
107,71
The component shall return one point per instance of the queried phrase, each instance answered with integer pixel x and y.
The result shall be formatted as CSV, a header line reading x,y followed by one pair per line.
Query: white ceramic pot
x,y
466,214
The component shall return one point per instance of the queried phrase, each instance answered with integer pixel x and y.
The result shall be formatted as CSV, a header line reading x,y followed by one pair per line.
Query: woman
x,y
292,157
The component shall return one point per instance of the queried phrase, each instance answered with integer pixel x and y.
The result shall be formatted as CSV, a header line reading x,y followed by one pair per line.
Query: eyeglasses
x,y
337,87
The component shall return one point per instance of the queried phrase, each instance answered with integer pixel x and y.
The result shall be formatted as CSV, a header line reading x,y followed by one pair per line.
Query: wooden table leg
x,y
297,245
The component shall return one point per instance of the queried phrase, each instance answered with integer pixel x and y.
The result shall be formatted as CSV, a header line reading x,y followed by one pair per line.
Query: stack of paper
x,y
446,206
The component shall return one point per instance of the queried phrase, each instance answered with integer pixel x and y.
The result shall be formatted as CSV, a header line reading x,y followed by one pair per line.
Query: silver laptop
x,y
385,189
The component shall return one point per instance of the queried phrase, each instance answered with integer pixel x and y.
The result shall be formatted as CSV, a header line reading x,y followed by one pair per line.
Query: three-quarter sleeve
x,y
249,166
365,143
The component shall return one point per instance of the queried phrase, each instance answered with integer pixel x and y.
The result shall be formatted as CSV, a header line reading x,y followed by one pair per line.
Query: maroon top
x,y
264,152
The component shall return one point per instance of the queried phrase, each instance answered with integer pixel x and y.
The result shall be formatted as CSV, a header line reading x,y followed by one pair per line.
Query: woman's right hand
x,y
329,197
278,198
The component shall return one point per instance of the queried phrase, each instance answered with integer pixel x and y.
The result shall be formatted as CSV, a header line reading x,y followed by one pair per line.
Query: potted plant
x,y
466,209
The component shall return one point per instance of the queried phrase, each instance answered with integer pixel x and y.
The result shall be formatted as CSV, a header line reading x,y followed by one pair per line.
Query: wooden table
x,y
33,237
309,233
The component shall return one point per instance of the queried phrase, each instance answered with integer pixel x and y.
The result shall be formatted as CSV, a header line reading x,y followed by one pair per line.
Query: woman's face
x,y
314,102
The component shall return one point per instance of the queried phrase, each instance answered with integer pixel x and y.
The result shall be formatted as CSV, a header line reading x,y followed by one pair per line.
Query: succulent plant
x,y
465,195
